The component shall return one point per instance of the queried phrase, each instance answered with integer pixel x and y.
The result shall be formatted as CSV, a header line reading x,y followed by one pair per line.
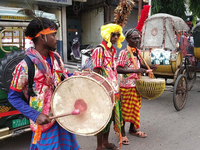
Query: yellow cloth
x,y
106,31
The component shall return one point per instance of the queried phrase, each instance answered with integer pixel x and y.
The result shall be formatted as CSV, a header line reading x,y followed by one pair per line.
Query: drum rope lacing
x,y
101,82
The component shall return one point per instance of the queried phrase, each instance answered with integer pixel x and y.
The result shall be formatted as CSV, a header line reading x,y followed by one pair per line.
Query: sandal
x,y
139,134
125,140
112,146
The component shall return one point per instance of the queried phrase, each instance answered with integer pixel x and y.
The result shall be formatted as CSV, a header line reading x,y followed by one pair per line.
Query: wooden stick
x,y
133,60
151,75
144,62
63,115
74,112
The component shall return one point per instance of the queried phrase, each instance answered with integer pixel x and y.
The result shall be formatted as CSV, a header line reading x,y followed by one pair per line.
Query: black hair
x,y
37,25
128,32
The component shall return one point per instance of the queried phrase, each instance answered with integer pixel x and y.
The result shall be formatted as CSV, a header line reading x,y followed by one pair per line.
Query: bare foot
x,y
99,148
110,146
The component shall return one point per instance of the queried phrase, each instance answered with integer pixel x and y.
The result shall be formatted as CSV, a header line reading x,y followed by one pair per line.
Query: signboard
x,y
9,13
19,122
4,17
63,2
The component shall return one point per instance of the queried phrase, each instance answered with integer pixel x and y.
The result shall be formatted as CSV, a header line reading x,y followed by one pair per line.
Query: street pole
x,y
150,8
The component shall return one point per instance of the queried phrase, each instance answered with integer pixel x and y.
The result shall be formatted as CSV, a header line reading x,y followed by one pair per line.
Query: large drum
x,y
97,93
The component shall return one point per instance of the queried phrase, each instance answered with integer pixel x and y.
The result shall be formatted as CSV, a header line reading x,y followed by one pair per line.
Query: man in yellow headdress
x,y
104,59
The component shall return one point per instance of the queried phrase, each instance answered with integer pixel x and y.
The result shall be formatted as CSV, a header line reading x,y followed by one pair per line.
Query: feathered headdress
x,y
30,14
122,11
143,17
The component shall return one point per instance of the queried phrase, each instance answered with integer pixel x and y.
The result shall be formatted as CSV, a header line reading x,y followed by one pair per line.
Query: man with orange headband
x,y
104,59
47,133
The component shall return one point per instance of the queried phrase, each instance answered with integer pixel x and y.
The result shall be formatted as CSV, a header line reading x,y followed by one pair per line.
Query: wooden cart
x,y
165,42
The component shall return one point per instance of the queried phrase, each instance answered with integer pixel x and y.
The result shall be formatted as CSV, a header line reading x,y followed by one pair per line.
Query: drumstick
x,y
156,65
151,75
74,112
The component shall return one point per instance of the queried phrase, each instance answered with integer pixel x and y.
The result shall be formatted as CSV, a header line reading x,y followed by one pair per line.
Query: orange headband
x,y
45,31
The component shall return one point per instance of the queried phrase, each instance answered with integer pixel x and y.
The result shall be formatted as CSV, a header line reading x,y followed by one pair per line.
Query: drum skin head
x,y
99,105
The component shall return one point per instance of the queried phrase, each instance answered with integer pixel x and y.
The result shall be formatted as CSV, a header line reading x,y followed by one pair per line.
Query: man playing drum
x,y
131,99
104,62
47,133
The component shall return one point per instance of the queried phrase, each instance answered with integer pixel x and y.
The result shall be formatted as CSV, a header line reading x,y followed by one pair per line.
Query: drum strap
x,y
134,63
133,60
136,54
57,58
103,48
31,73
151,75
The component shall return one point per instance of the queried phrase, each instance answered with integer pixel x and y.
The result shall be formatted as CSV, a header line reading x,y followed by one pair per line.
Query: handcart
x,y
165,41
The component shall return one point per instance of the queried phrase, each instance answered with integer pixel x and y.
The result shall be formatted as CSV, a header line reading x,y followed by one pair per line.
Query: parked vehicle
x,y
78,51
196,37
165,42
12,50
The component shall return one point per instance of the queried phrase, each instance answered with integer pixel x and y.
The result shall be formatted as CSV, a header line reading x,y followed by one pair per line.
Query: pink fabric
x,y
41,102
109,67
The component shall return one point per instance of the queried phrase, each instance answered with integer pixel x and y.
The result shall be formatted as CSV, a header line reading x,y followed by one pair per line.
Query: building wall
x,y
91,26
93,20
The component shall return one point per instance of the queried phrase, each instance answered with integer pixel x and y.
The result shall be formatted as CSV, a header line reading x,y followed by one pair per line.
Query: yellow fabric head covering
x,y
106,31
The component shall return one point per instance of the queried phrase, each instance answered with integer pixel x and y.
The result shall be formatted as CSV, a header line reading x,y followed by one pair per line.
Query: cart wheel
x,y
180,92
178,72
190,73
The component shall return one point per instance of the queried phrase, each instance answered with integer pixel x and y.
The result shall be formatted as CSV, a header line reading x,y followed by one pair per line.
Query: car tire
x,y
7,66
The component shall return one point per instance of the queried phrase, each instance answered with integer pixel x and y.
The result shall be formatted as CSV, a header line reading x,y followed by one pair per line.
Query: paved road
x,y
167,129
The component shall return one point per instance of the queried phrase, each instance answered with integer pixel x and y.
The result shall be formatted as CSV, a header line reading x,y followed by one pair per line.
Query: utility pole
x,y
150,8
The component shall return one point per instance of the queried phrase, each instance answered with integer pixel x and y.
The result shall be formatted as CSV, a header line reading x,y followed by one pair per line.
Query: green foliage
x,y
173,7
194,6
